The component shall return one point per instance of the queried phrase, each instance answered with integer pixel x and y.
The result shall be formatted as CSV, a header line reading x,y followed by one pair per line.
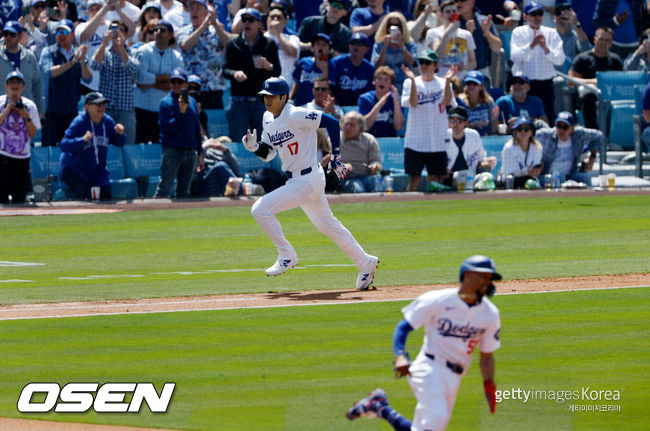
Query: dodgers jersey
x,y
453,328
293,135
426,126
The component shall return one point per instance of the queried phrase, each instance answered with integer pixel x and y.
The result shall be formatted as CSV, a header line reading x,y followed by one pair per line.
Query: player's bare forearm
x,y
486,364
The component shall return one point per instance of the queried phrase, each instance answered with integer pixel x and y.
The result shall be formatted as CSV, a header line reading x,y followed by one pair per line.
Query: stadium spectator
x,y
484,32
194,90
330,24
478,103
323,99
454,45
353,72
547,5
521,156
157,60
251,58
427,97
19,122
63,67
626,18
360,154
262,6
147,35
394,50
310,68
563,146
14,57
203,45
574,39
535,51
425,18
219,165
520,103
464,146
288,44
151,12
640,58
118,72
85,146
91,33
381,110
35,27
180,137
585,66
367,19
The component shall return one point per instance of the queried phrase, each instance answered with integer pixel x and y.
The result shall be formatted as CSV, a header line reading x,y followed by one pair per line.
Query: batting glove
x,y
401,365
338,167
250,141
490,394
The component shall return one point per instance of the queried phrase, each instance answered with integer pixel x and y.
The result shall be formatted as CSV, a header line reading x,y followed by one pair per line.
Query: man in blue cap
x,y
310,68
14,56
354,72
180,137
564,146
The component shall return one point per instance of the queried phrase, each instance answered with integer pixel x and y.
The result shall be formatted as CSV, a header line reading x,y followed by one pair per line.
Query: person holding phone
x,y
180,136
521,156
394,47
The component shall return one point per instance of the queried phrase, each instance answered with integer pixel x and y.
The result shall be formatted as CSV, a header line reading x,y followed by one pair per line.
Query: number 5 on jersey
x,y
293,148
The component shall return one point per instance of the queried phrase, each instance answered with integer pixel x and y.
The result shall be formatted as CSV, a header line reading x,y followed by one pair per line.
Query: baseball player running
x,y
455,321
291,132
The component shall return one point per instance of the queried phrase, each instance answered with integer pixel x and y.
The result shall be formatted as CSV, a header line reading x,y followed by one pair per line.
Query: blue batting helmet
x,y
274,87
479,263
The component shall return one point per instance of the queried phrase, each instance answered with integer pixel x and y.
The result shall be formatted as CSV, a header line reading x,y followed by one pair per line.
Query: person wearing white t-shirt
x,y
454,45
455,321
427,96
288,44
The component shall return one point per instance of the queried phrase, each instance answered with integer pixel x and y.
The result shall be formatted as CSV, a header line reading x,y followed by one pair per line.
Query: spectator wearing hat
x,y
520,103
354,74
585,66
85,146
367,19
454,45
251,58
310,68
381,109
35,27
464,146
288,44
330,24
180,136
362,156
19,121
91,33
535,51
484,32
157,60
63,67
427,97
194,90
118,71
203,44
564,148
394,50
521,156
15,57
478,103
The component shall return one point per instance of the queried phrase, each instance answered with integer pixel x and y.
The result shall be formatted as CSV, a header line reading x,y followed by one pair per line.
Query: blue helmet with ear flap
x,y
274,87
480,263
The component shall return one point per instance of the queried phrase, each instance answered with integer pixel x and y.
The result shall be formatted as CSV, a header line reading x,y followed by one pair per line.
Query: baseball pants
x,y
307,192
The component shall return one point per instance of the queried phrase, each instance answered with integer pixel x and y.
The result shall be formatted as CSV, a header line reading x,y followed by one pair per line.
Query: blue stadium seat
x,y
121,186
142,162
249,161
392,158
619,85
217,123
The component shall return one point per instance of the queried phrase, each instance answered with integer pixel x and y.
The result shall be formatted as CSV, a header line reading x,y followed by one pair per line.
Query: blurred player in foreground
x,y
455,321
290,132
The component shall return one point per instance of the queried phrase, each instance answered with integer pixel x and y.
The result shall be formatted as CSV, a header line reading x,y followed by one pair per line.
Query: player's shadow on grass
x,y
313,296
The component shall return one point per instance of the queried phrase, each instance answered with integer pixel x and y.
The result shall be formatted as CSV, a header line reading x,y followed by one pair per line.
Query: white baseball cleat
x,y
367,273
281,266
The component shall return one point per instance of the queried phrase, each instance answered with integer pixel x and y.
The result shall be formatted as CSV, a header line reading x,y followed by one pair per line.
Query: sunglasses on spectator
x,y
248,19
470,84
425,62
523,129
177,81
537,13
161,29
151,31
321,88
39,6
562,126
337,5
62,32
518,81
8,33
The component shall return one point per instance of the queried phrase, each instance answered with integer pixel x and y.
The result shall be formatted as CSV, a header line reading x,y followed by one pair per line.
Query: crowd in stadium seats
x,y
395,62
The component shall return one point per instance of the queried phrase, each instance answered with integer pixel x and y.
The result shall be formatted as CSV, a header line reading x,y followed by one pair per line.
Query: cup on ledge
x,y
611,181
503,128
94,192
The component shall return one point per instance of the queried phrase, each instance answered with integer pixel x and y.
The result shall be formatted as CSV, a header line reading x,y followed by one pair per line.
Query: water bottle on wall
x,y
389,183
248,185
556,178
469,181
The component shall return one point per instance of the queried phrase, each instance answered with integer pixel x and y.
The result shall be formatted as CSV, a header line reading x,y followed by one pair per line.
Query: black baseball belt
x,y
301,173
453,367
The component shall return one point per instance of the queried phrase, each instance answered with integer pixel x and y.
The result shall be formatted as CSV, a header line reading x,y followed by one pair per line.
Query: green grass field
x,y
300,368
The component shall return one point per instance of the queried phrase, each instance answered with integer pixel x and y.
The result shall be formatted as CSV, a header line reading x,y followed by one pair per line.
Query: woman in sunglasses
x,y
521,156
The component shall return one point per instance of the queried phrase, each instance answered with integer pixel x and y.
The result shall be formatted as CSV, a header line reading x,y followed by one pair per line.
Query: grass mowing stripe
x,y
301,367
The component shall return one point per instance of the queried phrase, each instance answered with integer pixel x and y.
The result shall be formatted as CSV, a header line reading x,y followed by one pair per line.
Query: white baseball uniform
x,y
293,136
453,328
